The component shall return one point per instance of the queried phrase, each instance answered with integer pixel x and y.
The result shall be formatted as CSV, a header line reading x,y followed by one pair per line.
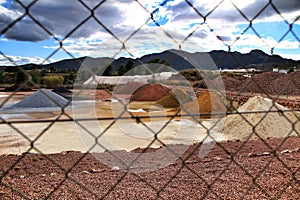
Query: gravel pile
x,y
287,85
228,83
262,83
43,98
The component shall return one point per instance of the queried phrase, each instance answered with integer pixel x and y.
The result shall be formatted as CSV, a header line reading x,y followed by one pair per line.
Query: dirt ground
x,y
255,169
232,170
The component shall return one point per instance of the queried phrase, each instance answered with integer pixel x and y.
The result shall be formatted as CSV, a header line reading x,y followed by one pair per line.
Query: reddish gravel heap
x,y
287,85
150,92
128,88
262,83
225,82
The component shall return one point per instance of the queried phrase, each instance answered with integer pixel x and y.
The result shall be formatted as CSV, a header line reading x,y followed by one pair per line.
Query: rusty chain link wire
x,y
185,162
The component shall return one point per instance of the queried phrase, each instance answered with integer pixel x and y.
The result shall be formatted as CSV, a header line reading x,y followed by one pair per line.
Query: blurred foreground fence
x,y
55,175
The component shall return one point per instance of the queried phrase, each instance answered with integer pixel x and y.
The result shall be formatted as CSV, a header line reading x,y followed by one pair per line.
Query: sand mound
x,y
267,124
208,102
150,92
42,98
174,98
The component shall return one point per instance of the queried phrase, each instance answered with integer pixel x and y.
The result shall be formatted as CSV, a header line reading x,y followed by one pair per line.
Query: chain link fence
x,y
253,164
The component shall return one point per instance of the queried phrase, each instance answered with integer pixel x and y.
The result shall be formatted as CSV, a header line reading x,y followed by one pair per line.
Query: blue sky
x,y
26,42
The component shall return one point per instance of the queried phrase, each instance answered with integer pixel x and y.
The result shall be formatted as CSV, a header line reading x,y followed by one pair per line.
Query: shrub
x,y
53,81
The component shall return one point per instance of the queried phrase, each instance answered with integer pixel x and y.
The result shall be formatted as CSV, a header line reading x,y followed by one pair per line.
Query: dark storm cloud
x,y
287,5
26,31
59,17
183,11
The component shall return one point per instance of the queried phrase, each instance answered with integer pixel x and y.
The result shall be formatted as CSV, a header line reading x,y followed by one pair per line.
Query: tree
x,y
52,69
290,70
2,77
21,77
129,66
121,70
35,77
70,78
108,71
156,60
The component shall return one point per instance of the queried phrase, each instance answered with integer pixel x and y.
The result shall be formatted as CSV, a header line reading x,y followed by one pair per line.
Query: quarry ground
x,y
256,169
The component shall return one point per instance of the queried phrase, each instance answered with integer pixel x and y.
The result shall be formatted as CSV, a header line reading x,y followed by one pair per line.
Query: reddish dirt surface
x,y
287,85
232,170
128,88
100,94
262,83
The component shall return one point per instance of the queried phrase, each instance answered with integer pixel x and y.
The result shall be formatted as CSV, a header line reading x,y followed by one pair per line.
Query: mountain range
x,y
180,60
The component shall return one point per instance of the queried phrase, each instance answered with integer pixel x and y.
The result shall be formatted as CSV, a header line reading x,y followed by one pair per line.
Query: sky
x,y
144,27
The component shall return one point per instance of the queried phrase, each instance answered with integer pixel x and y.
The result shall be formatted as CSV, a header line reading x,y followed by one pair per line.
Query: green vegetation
x,y
53,81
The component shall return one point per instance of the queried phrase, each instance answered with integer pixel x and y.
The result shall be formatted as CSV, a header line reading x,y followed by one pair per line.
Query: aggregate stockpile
x,y
43,98
268,119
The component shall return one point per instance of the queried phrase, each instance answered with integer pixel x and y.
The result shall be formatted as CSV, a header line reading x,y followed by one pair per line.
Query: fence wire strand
x,y
233,157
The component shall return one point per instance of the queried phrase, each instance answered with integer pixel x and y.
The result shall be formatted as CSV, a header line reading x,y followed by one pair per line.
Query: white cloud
x,y
123,17
20,60
290,56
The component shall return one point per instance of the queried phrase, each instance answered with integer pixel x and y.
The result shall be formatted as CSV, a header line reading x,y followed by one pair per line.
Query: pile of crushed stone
x,y
43,98
267,119
261,83
224,82
287,85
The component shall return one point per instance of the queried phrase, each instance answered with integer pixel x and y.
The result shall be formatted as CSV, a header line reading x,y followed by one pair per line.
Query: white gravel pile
x,y
43,98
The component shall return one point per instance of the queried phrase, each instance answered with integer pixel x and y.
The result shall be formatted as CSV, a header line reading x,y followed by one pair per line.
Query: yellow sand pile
x,y
174,98
206,103
266,122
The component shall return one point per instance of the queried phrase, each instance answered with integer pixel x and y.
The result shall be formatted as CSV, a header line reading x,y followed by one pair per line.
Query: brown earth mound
x,y
287,85
225,82
128,88
261,83
150,92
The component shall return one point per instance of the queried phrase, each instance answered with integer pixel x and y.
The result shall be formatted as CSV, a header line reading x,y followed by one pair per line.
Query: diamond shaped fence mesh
x,y
232,136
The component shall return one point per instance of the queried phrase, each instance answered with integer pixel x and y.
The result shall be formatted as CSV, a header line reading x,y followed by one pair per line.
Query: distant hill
x,y
180,60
